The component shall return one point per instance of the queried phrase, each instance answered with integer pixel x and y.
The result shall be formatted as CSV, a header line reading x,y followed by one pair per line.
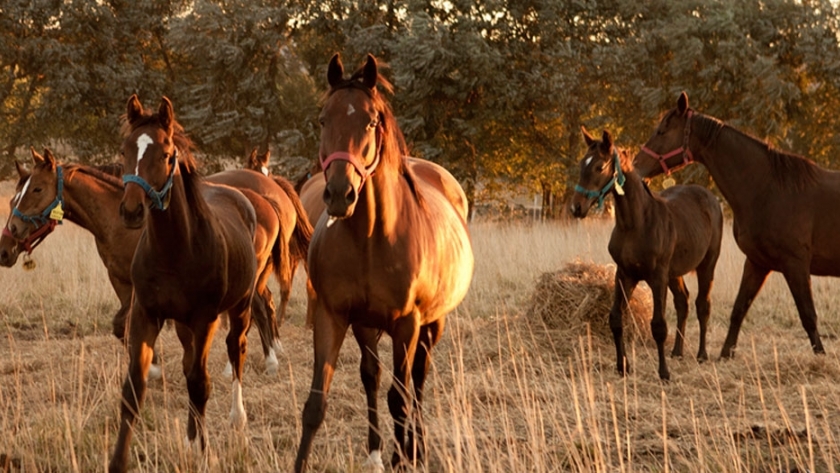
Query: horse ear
x,y
252,159
166,115
265,157
370,73
589,139
133,109
36,158
335,71
682,103
606,142
20,169
49,159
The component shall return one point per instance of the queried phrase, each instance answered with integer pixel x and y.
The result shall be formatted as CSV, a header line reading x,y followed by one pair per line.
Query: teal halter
x,y
44,217
615,182
157,197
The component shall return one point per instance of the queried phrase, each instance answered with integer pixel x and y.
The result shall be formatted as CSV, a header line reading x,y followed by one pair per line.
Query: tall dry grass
x,y
505,393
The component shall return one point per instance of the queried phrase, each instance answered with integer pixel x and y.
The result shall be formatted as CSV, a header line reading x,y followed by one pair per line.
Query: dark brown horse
x,y
392,255
784,207
195,260
656,239
91,198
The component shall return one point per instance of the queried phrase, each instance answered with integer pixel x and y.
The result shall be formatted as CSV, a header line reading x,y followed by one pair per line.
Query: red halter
x,y
688,158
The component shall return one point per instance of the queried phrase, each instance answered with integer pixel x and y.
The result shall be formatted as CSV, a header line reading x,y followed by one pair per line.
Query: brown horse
x,y
90,198
392,255
784,207
195,259
656,239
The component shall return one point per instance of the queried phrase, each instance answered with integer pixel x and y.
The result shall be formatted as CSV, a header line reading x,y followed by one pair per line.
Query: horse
x,y
784,207
391,254
656,239
90,197
196,258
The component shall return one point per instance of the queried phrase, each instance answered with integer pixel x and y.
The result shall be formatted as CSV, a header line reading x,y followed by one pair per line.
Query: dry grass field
x,y
506,391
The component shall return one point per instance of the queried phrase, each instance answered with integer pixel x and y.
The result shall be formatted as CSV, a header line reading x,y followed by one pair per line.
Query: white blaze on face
x,y
588,161
350,109
143,141
22,192
264,170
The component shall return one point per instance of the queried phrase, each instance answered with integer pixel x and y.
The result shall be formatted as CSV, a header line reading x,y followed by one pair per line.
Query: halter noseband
x,y
44,222
157,197
364,171
688,158
616,182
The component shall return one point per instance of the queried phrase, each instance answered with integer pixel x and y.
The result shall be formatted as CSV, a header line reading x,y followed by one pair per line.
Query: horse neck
x,y
381,200
630,208
92,204
169,232
737,163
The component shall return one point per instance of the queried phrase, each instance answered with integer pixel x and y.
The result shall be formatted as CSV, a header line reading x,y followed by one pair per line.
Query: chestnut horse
x,y
784,207
392,254
90,198
656,239
195,259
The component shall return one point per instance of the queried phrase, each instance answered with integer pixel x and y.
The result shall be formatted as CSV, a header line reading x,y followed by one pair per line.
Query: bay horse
x,y
392,254
784,207
657,239
90,197
195,259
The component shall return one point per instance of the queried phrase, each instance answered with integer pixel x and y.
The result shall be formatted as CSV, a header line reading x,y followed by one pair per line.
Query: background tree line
x,y
495,90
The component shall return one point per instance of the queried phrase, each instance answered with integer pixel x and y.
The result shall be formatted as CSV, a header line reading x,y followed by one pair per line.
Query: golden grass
x,y
505,393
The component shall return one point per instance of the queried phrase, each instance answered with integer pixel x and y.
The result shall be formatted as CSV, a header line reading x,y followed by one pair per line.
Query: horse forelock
x,y
182,141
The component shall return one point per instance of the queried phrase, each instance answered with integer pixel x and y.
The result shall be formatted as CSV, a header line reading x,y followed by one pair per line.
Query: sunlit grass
x,y
504,394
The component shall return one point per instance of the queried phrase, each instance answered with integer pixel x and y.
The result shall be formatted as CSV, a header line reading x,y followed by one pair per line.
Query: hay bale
x,y
581,294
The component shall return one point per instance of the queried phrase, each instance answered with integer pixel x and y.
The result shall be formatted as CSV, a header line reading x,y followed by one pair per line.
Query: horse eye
x,y
373,124
36,190
321,122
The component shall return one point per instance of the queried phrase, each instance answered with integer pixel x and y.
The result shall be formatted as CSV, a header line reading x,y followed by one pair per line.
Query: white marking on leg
x,y
350,109
154,372
228,371
238,418
374,461
143,141
264,170
271,363
278,347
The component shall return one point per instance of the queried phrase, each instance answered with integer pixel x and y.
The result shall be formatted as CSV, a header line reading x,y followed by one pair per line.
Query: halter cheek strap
x,y
44,222
688,158
158,198
614,183
364,171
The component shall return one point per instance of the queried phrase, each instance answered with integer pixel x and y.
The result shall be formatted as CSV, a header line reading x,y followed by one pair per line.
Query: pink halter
x,y
688,158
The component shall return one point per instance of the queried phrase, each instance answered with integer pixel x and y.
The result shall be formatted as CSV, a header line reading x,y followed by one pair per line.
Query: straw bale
x,y
581,294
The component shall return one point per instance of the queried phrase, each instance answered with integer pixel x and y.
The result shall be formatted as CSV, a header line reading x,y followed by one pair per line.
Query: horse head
x,y
149,151
600,172
668,149
351,131
36,207
259,162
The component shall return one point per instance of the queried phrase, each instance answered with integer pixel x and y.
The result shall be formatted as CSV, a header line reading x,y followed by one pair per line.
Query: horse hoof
x,y
702,357
154,373
665,376
277,346
374,464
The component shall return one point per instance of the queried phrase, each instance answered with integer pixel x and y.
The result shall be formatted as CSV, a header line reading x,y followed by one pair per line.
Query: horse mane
x,y
394,150
187,163
789,170
109,174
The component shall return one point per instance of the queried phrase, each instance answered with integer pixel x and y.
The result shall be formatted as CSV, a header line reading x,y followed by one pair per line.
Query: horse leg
x,y
429,336
703,304
185,336
680,292
237,347
198,381
658,324
262,310
405,335
368,340
329,331
142,335
624,287
751,281
799,283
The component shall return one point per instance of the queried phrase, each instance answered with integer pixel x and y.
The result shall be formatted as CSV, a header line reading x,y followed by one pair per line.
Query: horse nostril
x,y
327,194
350,196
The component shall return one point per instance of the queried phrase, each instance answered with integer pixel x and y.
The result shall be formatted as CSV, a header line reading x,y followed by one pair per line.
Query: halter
x,y
44,222
688,158
615,182
157,197
364,171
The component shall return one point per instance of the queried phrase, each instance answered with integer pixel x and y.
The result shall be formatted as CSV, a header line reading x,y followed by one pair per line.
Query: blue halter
x,y
44,217
616,181
157,197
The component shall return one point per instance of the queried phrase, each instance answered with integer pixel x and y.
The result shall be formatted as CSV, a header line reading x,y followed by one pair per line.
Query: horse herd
x,y
390,249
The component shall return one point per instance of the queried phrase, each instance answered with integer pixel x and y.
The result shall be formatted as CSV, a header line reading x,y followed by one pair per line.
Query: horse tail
x,y
280,253
302,235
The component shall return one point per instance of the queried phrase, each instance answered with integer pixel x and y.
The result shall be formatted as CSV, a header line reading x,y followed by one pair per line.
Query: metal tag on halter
x,y
668,182
618,189
28,263
57,213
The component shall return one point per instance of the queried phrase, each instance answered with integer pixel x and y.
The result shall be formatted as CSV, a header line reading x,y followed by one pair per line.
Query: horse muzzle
x,y
579,207
132,218
9,252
